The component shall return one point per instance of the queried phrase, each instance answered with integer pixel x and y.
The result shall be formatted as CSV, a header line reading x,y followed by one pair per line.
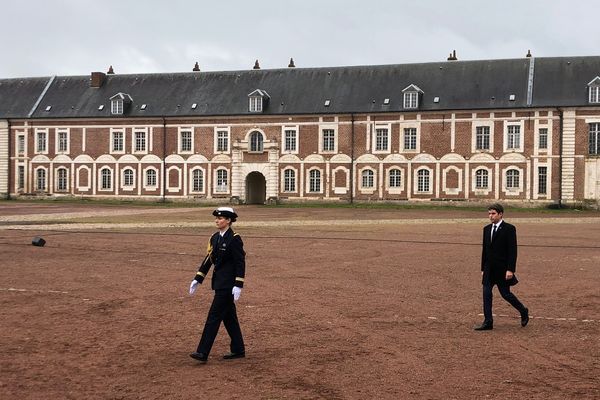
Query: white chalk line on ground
x,y
32,291
288,223
545,318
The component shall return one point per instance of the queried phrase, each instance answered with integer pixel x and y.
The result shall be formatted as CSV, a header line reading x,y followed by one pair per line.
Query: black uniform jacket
x,y
229,259
500,254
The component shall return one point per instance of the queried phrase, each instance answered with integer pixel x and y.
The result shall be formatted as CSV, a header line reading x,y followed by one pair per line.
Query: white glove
x,y
236,292
193,286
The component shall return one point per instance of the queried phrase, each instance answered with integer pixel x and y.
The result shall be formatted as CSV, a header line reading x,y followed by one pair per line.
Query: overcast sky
x,y
75,37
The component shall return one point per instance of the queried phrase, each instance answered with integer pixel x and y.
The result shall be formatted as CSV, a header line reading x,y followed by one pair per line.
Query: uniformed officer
x,y
226,253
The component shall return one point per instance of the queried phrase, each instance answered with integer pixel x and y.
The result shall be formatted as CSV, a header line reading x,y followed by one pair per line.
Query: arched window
x,y
314,180
40,183
289,180
150,177
368,178
256,141
395,178
106,178
197,180
128,177
512,179
481,179
423,180
62,183
221,180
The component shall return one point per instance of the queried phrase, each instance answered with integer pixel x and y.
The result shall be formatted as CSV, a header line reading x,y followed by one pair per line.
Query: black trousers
x,y
506,295
221,310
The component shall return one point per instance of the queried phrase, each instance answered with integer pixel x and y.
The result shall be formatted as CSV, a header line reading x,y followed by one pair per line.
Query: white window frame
x,y
124,184
482,124
117,106
38,132
221,189
57,140
594,94
388,137
260,143
540,194
21,145
593,141
395,189
413,125
57,180
322,129
370,175
539,138
255,104
284,131
513,191
416,180
20,177
101,187
483,175
111,149
192,178
284,180
146,185
519,145
411,100
309,180
227,133
44,180
134,136
90,178
180,142
481,191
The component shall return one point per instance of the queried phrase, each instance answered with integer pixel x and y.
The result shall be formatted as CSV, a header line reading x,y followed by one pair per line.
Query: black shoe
x,y
486,326
201,357
525,318
232,355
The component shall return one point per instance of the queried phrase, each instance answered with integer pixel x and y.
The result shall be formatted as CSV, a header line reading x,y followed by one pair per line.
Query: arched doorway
x,y
256,188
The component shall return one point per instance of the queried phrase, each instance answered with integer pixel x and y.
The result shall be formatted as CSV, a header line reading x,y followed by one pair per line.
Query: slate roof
x,y
460,85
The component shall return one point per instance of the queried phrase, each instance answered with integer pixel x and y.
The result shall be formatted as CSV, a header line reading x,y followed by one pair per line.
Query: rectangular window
x,y
542,179
423,181
256,104
223,140
594,94
289,180
140,141
543,138
63,141
410,138
382,139
117,141
513,137
41,142
481,179
185,141
21,145
116,106
594,142
395,178
328,140
410,99
61,184
482,138
314,181
290,140
150,177
21,177
221,180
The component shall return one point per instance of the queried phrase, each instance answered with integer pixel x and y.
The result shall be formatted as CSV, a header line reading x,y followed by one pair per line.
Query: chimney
x,y
256,65
111,71
452,56
291,64
97,79
528,53
196,67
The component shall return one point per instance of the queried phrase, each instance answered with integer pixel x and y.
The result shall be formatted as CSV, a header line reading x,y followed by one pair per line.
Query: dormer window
x,y
412,95
119,103
594,91
258,100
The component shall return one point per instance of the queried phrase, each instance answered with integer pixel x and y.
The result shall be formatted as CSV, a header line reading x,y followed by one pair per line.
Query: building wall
x,y
4,158
444,165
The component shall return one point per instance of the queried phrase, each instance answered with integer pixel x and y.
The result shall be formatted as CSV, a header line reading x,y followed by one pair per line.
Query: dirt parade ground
x,y
338,303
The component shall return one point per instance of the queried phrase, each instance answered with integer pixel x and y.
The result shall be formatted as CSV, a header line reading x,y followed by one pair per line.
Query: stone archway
x,y
256,188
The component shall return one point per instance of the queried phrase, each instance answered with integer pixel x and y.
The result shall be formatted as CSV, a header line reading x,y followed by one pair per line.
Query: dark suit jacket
x,y
500,254
229,259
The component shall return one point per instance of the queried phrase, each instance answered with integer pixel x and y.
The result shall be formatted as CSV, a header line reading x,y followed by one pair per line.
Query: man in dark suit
x,y
498,264
226,253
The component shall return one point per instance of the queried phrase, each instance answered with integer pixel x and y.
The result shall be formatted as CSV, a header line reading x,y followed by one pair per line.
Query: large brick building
x,y
520,129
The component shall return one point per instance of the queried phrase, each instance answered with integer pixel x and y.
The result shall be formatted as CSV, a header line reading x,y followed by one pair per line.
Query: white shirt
x,y
497,225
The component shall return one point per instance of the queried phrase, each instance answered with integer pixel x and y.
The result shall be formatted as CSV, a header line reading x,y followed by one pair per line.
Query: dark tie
x,y
494,231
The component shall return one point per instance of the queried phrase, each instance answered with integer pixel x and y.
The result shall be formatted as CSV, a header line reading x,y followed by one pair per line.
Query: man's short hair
x,y
498,207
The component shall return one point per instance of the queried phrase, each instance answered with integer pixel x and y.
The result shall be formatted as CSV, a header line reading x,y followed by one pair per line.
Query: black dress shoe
x,y
201,357
525,318
232,355
486,326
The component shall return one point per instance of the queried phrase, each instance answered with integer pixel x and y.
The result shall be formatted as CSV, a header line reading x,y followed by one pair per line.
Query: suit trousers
x,y
223,310
506,295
